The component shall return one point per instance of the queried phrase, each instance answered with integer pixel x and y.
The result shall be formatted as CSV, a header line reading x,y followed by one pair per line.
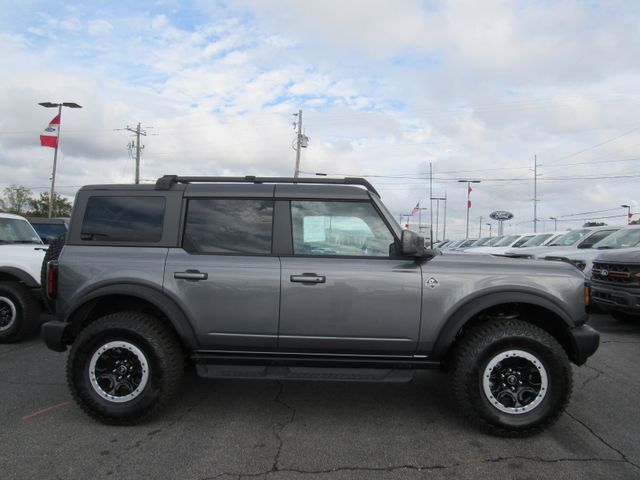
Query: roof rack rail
x,y
167,181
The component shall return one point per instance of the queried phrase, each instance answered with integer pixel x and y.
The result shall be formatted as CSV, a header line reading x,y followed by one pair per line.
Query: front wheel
x,y
511,378
124,367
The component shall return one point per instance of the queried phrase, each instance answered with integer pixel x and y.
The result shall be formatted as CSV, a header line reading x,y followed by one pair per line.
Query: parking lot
x,y
232,429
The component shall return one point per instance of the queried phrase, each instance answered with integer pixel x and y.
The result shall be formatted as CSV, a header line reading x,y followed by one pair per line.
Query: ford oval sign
x,y
501,215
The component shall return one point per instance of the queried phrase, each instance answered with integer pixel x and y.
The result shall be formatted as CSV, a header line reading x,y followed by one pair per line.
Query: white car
x,y
627,237
569,242
21,255
505,243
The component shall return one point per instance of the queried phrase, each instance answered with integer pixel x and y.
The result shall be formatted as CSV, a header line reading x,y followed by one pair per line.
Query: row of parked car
x,y
609,256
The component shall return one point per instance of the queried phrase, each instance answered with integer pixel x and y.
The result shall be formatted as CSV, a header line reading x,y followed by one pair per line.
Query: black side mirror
x,y
412,244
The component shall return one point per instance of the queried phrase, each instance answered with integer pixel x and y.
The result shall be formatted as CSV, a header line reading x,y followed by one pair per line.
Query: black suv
x,y
281,278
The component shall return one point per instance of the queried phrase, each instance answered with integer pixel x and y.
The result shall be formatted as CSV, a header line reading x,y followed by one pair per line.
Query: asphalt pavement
x,y
233,429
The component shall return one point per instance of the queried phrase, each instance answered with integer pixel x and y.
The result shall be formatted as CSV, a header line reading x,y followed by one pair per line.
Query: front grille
x,y
616,273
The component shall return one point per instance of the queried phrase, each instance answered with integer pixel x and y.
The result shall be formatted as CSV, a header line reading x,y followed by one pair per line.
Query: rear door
x,y
224,276
344,290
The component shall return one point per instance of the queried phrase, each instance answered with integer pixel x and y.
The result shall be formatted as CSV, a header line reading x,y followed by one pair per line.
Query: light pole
x,y
628,207
55,152
555,223
469,189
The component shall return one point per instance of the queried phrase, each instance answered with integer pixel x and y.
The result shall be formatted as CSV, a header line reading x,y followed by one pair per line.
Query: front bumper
x,y
584,341
54,335
616,297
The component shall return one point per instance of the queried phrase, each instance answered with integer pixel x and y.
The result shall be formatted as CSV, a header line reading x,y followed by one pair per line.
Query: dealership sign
x,y
501,215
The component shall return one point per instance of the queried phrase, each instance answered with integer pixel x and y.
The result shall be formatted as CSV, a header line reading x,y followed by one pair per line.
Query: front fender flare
x,y
21,275
472,307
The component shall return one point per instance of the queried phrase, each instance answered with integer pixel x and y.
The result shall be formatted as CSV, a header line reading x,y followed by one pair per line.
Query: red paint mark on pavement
x,y
45,410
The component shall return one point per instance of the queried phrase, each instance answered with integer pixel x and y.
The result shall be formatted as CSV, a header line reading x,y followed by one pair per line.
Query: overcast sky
x,y
477,89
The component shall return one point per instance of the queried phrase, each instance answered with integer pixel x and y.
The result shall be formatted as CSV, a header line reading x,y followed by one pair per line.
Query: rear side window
x,y
123,219
233,226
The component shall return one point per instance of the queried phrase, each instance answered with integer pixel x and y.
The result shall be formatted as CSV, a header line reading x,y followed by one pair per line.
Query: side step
x,y
306,373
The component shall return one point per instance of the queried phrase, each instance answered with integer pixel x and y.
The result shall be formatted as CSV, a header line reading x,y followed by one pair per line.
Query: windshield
x,y
467,243
482,242
15,230
624,238
537,240
493,241
568,238
522,241
506,241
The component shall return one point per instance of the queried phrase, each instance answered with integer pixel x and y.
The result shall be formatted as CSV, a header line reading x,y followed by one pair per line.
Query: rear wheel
x,y
511,378
19,312
124,367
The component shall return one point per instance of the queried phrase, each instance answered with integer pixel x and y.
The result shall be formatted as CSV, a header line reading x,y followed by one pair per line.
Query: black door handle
x,y
191,275
308,278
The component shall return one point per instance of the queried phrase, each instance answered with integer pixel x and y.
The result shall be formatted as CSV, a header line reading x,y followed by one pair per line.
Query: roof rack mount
x,y
167,181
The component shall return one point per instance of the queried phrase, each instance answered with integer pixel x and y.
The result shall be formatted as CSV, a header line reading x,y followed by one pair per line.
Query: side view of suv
x,y
281,278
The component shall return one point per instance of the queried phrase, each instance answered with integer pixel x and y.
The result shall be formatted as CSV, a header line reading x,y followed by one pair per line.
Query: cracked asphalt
x,y
237,429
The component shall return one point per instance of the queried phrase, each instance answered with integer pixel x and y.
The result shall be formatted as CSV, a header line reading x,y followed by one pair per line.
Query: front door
x,y
344,290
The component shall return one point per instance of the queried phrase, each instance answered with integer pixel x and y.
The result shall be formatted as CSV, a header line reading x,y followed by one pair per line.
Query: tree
x,y
16,199
40,206
594,224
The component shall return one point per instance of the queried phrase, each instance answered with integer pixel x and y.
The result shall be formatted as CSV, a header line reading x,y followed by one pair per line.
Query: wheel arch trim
x,y
464,313
21,275
168,307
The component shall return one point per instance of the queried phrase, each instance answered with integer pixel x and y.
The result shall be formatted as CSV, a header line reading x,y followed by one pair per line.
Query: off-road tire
x,y
52,253
19,312
485,344
153,341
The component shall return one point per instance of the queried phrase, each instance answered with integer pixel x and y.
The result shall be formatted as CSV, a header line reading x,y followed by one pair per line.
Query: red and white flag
x,y
416,209
49,137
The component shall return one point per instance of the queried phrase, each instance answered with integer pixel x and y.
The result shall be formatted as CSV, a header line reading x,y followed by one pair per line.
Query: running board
x,y
306,373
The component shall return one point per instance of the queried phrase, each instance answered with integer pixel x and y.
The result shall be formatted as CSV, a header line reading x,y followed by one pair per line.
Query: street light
x,y
555,223
55,152
468,182
628,207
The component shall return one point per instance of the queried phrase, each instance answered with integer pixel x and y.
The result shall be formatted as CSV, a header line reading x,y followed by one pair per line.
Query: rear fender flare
x,y
176,316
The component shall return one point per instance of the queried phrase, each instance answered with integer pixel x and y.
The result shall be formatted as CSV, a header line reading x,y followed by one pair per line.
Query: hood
x,y
623,255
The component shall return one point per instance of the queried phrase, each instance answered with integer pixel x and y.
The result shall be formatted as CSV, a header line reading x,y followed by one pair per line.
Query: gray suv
x,y
281,278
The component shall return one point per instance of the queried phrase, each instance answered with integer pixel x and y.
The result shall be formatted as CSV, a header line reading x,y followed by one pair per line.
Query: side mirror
x,y
412,244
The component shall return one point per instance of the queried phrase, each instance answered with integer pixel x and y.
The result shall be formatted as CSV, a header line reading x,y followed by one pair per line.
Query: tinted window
x,y
123,219
228,226
339,228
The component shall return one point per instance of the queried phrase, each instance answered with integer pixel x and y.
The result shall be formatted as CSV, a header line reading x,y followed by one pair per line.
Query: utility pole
x,y
302,141
138,149
437,199
535,192
480,233
431,206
